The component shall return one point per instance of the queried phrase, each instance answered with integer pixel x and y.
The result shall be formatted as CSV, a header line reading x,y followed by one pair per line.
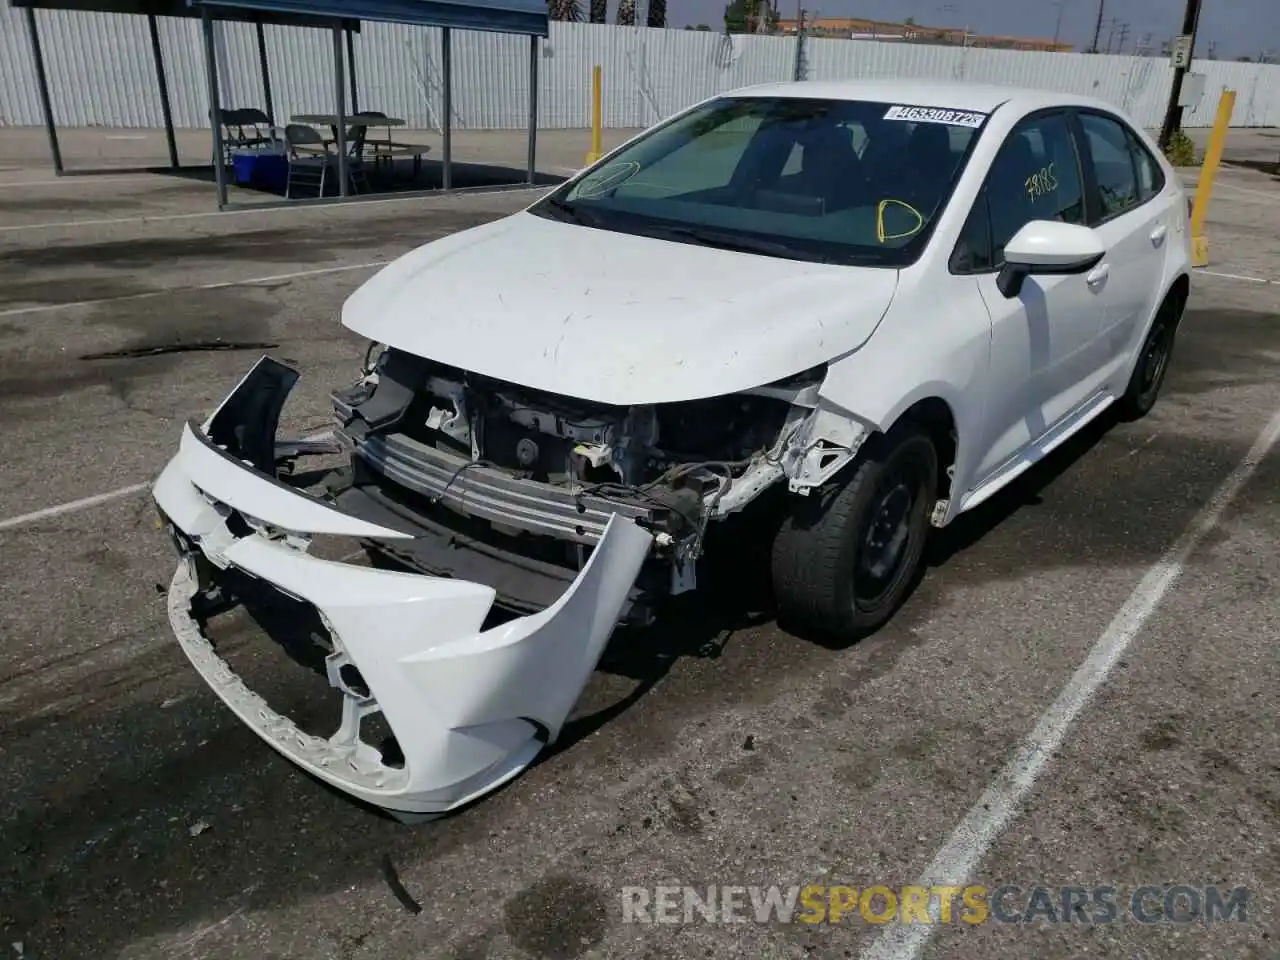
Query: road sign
x,y
1192,90
1180,52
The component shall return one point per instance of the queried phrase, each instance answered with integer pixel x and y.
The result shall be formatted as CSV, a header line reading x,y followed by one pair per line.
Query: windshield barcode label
x,y
959,118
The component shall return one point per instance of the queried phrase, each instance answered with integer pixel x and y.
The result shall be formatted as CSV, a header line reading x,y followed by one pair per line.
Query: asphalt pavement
x,y
142,820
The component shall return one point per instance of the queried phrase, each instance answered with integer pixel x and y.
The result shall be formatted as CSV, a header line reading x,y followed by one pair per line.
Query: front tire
x,y
1153,361
845,556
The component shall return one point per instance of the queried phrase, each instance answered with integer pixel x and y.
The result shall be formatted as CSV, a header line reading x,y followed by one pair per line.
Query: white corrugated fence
x,y
101,72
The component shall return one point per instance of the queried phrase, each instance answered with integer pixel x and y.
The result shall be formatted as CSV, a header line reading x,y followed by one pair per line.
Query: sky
x,y
1236,26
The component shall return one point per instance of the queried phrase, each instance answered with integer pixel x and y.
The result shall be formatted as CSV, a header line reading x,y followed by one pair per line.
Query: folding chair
x,y
311,160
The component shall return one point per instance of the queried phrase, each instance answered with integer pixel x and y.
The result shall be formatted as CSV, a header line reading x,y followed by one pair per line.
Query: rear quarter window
x,y
1150,176
1108,145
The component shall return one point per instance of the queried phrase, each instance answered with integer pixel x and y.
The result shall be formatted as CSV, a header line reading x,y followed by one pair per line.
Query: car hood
x,y
615,318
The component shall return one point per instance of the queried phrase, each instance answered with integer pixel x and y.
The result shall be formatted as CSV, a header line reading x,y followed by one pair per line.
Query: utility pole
x,y
1124,35
1057,27
1111,32
1173,115
1097,29
799,69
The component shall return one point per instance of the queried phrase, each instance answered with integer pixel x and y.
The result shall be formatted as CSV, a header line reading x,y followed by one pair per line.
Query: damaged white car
x,y
875,304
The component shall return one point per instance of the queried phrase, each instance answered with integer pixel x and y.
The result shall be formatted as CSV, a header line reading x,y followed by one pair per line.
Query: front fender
x,y
891,374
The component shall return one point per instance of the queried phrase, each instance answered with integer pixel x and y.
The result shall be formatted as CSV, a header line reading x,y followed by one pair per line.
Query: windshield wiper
x,y
732,241
566,212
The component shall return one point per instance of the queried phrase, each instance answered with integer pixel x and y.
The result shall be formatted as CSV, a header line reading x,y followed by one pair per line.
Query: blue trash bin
x,y
261,170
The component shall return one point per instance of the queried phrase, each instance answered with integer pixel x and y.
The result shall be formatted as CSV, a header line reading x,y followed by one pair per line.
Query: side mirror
x,y
1047,247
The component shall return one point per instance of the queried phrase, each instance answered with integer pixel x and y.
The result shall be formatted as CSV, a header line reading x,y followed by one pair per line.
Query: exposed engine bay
x,y
532,478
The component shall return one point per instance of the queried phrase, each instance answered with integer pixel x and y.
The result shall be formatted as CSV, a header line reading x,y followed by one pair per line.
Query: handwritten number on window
x,y
1041,183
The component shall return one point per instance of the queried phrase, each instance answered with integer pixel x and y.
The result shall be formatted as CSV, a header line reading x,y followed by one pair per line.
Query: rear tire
x,y
1153,361
845,557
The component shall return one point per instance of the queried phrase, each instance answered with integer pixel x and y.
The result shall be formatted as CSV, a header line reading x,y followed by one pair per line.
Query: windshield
x,y
826,180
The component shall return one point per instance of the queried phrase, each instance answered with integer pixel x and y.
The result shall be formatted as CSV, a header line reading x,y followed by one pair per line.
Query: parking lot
x,y
141,819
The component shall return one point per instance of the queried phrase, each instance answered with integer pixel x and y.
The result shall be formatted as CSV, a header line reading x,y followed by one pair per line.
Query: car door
x,y
1124,185
1046,357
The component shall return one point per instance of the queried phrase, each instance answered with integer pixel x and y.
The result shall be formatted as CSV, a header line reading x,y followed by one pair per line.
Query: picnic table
x,y
360,121
353,120
383,149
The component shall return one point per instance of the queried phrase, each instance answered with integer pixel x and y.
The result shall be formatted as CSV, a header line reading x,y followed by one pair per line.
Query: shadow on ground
x,y
396,176
1269,167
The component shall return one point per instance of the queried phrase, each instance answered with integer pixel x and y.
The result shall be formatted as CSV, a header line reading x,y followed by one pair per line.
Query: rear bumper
x,y
469,707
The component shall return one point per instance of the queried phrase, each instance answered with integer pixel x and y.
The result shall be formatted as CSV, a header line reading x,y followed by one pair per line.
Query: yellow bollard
x,y
596,87
1204,188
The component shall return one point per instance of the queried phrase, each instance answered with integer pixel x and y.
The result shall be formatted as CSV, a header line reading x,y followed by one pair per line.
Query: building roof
x,y
859,29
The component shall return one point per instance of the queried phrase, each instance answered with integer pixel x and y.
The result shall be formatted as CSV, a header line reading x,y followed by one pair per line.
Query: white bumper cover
x,y
470,708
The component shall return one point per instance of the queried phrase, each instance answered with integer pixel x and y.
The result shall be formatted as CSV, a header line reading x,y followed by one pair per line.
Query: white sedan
x,y
835,314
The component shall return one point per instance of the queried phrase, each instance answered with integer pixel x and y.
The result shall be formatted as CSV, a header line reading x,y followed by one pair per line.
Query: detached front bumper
x,y
470,708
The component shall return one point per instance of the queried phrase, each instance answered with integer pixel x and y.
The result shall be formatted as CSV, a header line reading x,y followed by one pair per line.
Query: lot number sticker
x,y
956,118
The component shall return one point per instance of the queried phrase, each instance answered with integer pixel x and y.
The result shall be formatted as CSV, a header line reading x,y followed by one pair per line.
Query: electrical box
x,y
1180,52
1192,90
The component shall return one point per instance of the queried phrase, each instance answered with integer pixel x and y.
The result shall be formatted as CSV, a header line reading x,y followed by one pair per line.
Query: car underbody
x,y
477,497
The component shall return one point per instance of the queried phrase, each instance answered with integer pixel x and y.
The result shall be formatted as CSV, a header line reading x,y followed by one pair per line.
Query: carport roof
x,y
179,8
499,16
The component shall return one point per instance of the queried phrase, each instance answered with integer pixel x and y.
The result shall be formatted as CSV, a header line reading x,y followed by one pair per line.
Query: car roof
x,y
949,94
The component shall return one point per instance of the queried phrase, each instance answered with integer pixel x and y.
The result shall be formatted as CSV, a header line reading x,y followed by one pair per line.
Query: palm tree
x,y
626,15
570,10
657,13
599,11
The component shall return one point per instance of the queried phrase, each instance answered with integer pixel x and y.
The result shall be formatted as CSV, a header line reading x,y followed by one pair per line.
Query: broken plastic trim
x,y
246,423
470,708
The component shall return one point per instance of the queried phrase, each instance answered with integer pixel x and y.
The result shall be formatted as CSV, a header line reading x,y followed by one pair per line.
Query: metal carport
x,y
528,17
151,9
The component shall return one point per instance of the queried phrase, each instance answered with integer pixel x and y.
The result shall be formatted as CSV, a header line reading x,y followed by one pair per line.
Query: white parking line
x,y
85,502
1003,800
1235,276
1192,183
64,181
1245,191
73,506
250,281
157,218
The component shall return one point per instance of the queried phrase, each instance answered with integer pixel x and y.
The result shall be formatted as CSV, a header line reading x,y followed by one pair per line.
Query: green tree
x,y
657,16
599,11
626,15
743,16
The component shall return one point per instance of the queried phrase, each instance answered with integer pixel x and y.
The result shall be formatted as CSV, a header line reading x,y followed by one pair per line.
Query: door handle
x,y
1158,234
1098,277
